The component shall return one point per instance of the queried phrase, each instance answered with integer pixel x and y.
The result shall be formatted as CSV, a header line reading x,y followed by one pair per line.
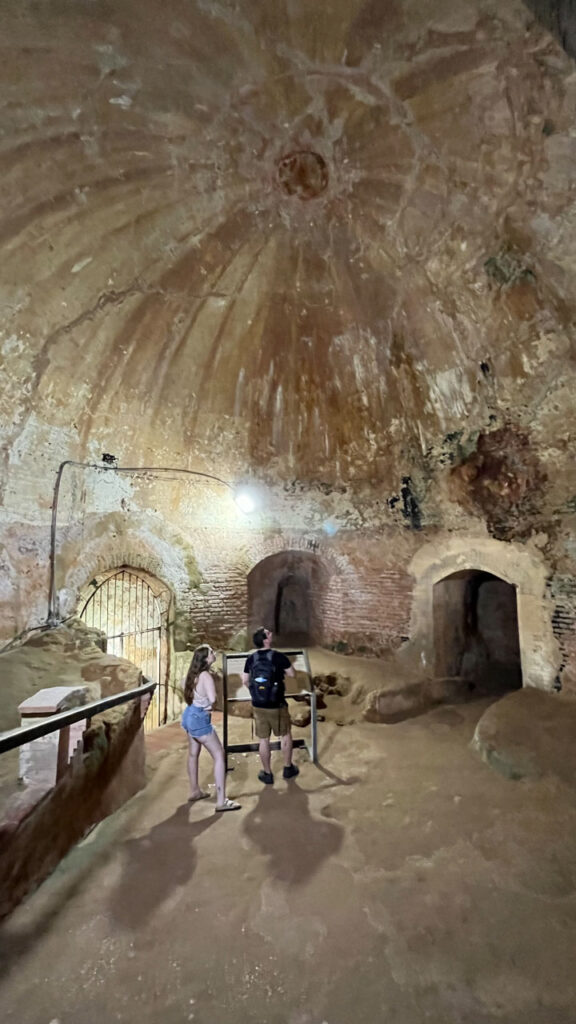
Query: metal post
x,y
63,751
314,726
225,710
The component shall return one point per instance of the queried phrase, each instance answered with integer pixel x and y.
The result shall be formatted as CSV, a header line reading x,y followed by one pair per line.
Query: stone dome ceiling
x,y
284,239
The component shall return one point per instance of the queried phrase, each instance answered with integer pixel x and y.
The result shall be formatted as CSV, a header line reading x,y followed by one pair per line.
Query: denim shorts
x,y
196,721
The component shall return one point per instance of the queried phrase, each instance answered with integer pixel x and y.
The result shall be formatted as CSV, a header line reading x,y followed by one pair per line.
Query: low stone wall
x,y
40,827
408,698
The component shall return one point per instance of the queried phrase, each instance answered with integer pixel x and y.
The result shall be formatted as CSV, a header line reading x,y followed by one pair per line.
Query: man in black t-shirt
x,y
275,716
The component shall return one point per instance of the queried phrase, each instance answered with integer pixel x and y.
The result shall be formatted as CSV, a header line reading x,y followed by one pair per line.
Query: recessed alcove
x,y
287,593
447,573
476,631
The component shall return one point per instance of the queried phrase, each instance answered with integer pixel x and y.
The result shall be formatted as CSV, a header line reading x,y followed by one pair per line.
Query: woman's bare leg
x,y
194,748
216,751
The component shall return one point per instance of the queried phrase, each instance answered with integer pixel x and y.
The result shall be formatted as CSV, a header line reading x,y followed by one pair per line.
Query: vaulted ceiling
x,y
317,241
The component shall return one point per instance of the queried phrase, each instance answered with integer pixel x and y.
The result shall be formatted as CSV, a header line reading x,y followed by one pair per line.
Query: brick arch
x,y
523,569
160,589
336,565
102,547
140,562
288,591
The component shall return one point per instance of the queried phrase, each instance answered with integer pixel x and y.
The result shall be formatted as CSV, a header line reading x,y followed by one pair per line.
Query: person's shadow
x,y
295,843
155,865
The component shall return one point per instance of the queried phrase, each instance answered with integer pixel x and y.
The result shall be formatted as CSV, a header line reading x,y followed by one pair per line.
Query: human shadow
x,y
155,865
295,843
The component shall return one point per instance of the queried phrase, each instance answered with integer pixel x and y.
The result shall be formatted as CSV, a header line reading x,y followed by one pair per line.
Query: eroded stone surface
x,y
66,656
329,251
529,734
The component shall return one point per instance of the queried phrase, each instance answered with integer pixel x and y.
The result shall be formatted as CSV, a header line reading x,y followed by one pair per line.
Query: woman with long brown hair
x,y
200,696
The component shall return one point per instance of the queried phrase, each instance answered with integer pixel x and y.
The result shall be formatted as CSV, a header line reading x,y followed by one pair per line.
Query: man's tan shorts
x,y
267,720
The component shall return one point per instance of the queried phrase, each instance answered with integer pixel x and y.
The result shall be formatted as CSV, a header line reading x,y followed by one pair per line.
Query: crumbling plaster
x,y
356,329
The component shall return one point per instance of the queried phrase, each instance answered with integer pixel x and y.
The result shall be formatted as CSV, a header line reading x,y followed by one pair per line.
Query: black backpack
x,y
264,684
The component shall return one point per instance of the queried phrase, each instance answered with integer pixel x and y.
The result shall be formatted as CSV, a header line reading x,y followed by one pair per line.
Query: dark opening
x,y
476,632
292,612
303,174
286,593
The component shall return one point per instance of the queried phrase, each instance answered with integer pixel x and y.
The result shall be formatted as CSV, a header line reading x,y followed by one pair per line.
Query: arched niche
x,y
476,636
287,593
524,570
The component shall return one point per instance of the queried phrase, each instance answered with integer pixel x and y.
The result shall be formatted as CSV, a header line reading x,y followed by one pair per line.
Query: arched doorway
x,y
526,570
476,631
286,593
129,606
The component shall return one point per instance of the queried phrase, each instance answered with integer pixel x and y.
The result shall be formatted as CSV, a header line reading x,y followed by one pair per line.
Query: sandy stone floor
x,y
402,881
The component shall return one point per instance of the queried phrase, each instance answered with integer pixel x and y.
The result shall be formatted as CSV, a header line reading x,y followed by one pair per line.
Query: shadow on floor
x,y
56,893
337,780
155,865
295,843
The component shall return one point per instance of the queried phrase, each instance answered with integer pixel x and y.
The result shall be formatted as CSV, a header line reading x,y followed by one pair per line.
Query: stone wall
x,y
68,655
522,567
370,591
357,600
39,827
562,591
388,355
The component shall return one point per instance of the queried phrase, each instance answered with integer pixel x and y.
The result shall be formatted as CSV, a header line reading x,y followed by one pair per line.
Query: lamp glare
x,y
245,502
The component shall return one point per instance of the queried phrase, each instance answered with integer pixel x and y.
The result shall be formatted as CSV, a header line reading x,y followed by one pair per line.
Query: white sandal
x,y
229,805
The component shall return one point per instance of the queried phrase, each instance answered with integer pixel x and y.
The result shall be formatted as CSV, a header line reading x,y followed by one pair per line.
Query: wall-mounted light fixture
x,y
244,498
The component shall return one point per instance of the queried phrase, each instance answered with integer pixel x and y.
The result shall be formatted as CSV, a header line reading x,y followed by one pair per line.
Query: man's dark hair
x,y
259,637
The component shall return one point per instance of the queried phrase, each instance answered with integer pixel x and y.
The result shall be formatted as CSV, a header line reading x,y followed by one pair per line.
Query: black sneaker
x,y
266,777
290,772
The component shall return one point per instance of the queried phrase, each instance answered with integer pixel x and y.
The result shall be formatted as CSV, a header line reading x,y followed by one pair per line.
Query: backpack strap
x,y
266,654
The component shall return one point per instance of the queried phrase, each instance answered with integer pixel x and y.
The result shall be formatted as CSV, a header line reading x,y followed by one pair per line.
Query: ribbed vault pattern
x,y
257,233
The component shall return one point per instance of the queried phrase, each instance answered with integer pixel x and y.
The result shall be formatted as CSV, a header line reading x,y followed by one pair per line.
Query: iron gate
x,y
124,607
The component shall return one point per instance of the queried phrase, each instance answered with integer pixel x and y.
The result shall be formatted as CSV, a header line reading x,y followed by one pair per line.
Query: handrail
x,y
281,650
288,696
27,733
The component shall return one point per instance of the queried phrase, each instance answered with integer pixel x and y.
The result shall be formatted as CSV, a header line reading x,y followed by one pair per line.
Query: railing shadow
x,y
336,780
54,896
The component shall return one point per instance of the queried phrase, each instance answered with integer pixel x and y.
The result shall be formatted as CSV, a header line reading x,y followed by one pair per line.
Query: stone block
x,y
38,761
301,718
529,734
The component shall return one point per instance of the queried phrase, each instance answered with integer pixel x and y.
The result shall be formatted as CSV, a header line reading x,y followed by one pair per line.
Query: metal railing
x,y
312,746
308,695
62,722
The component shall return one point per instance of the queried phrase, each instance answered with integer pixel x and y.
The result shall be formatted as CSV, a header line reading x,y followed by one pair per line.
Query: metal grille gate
x,y
124,607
